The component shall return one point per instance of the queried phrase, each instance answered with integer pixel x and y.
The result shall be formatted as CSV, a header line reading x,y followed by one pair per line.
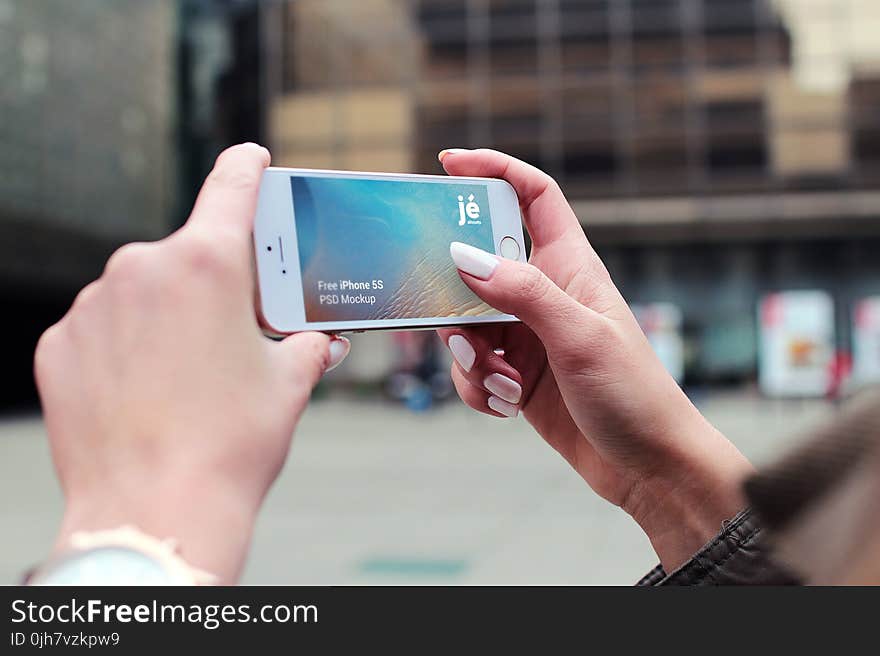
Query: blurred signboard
x,y
866,341
662,324
796,345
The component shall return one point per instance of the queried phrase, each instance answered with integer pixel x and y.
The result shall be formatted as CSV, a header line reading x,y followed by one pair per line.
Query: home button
x,y
509,248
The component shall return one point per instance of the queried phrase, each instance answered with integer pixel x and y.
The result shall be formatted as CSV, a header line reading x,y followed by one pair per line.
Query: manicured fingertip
x,y
462,351
504,387
339,349
502,407
449,151
474,261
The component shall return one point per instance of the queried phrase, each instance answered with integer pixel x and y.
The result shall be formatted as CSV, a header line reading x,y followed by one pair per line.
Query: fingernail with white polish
x,y
462,351
502,407
472,260
449,151
339,348
503,387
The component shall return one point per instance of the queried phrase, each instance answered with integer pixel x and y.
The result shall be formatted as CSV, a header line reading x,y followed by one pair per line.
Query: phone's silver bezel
x,y
281,306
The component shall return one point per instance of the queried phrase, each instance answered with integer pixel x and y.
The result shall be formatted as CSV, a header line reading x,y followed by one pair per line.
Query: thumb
x,y
310,355
523,290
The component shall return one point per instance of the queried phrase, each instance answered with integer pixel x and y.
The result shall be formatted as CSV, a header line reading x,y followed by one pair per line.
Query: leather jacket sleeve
x,y
738,555
827,487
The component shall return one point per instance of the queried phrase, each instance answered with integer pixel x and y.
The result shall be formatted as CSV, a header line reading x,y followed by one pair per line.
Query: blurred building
x,y
88,106
343,92
111,112
714,149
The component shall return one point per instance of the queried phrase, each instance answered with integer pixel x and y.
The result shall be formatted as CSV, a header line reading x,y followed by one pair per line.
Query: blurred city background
x,y
722,155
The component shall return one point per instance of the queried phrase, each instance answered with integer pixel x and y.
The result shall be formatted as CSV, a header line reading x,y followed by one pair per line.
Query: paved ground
x,y
375,494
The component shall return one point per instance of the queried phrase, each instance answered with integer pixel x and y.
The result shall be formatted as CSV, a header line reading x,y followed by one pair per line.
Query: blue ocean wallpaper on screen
x,y
379,249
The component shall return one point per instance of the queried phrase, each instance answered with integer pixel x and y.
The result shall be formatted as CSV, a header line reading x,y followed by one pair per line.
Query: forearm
x,y
682,504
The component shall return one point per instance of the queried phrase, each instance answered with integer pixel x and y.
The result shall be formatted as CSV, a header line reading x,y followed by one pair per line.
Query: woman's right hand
x,y
584,374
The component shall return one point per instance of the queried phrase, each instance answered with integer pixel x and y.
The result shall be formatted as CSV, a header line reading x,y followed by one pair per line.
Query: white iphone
x,y
342,251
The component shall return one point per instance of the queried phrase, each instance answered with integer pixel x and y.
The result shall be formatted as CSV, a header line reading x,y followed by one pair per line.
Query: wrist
x,y
682,504
211,525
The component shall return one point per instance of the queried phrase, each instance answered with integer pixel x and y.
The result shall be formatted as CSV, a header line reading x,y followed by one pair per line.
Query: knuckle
x,y
530,283
128,261
86,297
545,186
46,347
136,271
213,257
44,344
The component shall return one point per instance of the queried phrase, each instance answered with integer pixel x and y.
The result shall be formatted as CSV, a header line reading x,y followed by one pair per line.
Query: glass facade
x,y
713,149
617,99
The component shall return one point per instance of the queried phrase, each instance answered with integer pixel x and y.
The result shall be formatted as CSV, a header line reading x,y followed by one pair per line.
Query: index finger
x,y
228,198
546,211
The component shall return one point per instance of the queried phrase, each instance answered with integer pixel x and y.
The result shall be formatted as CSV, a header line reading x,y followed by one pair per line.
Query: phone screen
x,y
379,249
